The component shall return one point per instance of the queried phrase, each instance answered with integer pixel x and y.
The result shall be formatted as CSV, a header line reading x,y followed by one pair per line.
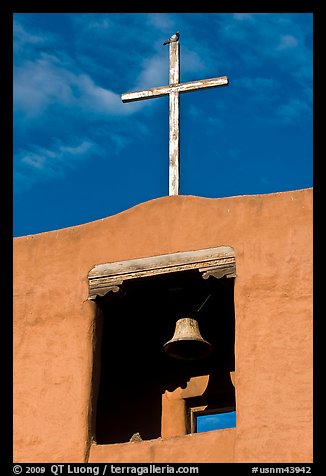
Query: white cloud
x,y
259,90
155,72
258,83
94,23
42,158
267,38
192,62
269,93
211,123
214,126
243,16
48,82
37,163
23,39
291,111
161,21
194,112
98,100
287,42
79,149
34,163
40,83
22,36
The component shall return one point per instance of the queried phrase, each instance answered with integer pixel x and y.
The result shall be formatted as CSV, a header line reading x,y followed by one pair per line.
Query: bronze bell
x,y
187,342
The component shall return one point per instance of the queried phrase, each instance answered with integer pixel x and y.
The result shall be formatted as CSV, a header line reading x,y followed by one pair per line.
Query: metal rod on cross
x,y
174,90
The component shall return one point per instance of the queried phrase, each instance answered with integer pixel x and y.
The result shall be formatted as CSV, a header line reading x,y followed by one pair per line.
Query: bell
x,y
187,342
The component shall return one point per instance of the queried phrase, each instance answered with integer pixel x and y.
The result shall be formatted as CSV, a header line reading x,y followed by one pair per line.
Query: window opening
x,y
218,419
133,372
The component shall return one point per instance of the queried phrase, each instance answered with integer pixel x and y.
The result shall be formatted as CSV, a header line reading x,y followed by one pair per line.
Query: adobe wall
x,y
53,327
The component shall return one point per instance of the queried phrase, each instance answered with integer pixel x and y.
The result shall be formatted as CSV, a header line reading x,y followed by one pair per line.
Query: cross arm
x,y
181,88
146,94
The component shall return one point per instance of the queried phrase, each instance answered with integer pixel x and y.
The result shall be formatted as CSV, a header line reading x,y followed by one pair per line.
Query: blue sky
x,y
80,154
216,421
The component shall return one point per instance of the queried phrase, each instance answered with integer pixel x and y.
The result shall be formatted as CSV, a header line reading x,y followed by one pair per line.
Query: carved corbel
x,y
100,292
218,272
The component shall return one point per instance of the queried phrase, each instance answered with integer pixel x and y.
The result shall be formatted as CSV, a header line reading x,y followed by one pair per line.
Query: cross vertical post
x,y
174,121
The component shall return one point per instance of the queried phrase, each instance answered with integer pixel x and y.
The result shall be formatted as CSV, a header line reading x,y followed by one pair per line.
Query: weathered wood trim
x,y
173,90
162,261
174,149
215,262
100,291
174,76
174,121
219,272
181,88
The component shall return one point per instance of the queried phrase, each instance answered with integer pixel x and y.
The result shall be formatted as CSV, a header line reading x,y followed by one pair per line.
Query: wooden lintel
x,y
212,261
204,258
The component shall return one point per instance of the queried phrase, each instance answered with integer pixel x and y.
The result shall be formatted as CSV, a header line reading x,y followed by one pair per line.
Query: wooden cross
x,y
173,90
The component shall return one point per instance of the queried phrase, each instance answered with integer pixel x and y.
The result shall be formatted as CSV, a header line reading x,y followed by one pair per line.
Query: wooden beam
x,y
174,122
174,75
181,88
173,90
104,276
204,256
174,150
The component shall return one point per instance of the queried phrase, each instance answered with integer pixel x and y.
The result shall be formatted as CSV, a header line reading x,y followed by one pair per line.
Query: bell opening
x,y
133,357
185,349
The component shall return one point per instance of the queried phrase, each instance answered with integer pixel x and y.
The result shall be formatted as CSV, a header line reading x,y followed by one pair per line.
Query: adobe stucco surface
x,y
53,328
